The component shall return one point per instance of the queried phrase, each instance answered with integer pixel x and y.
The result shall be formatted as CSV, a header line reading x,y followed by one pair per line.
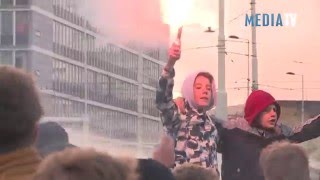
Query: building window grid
x,y
116,59
112,59
108,90
6,31
150,125
6,58
67,78
113,124
65,9
22,2
151,73
153,52
47,104
22,27
65,107
149,106
67,41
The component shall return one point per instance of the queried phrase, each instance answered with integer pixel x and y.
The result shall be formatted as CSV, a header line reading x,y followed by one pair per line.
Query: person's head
x,y
195,172
20,109
150,169
52,137
284,161
199,90
83,164
261,110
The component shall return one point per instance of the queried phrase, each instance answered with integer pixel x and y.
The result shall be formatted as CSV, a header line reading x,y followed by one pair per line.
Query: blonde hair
x,y
285,161
195,172
83,164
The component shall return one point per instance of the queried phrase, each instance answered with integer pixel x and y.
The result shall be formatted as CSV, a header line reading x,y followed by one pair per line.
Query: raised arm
x,y
170,116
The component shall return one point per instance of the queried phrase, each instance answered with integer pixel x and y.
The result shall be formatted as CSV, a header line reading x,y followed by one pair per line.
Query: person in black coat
x,y
242,140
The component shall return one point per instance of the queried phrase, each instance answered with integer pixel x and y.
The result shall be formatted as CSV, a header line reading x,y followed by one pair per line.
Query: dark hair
x,y
20,108
257,121
52,137
150,169
207,75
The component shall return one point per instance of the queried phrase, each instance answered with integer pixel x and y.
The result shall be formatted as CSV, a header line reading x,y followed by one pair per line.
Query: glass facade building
x,y
107,89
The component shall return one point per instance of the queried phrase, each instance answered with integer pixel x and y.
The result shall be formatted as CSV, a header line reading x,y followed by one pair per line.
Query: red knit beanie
x,y
257,102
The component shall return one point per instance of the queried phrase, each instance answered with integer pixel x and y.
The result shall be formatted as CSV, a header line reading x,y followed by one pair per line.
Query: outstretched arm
x,y
169,112
307,131
304,132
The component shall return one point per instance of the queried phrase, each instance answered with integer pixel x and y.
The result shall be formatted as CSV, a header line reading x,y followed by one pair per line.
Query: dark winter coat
x,y
240,143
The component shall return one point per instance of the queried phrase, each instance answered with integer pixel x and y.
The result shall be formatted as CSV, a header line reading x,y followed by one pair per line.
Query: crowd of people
x,y
255,147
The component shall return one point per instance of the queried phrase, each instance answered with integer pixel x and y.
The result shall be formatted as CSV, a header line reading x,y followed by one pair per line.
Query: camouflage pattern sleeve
x,y
170,116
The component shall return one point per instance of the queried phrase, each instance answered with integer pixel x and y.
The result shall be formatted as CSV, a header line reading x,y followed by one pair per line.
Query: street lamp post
x,y
254,48
222,107
221,111
248,68
302,94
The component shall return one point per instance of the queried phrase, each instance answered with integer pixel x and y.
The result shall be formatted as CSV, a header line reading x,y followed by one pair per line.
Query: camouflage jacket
x,y
194,133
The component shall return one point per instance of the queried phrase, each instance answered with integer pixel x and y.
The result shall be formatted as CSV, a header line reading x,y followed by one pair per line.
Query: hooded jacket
x,y
240,143
257,102
194,132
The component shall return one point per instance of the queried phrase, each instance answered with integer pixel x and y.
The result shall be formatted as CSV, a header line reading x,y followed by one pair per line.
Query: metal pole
x,y
248,77
302,101
14,37
221,110
85,78
254,48
140,102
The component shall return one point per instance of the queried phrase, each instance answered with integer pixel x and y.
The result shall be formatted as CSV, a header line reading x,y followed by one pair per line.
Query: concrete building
x,y
108,90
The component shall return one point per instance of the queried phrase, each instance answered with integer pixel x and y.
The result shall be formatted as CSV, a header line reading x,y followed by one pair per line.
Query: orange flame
x,y
176,12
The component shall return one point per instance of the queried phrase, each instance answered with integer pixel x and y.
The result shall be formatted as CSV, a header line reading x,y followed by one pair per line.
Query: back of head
x,y
150,169
52,137
284,161
195,172
20,108
84,164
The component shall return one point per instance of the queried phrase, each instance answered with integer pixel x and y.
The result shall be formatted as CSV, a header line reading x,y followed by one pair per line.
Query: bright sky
x,y
277,47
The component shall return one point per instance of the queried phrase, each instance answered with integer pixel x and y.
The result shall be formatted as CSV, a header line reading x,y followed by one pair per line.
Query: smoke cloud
x,y
127,21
